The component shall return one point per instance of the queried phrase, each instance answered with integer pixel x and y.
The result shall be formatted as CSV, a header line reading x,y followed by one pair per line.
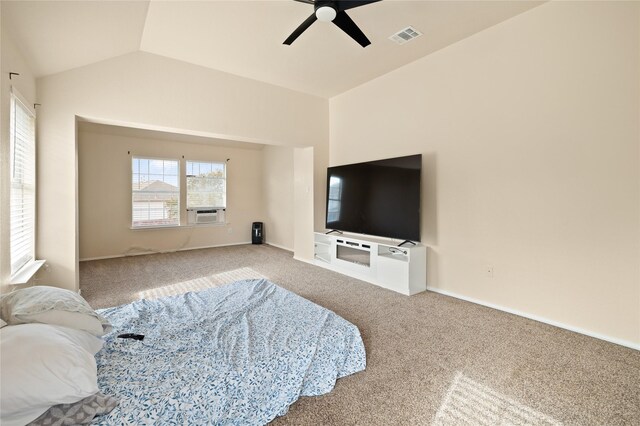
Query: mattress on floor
x,y
237,354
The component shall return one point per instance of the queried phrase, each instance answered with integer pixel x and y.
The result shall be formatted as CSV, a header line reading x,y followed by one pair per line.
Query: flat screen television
x,y
380,198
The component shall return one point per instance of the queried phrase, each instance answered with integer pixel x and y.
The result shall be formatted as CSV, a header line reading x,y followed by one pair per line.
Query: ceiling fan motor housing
x,y
325,10
325,3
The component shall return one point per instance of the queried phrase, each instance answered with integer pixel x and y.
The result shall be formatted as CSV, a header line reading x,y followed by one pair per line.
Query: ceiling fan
x,y
333,11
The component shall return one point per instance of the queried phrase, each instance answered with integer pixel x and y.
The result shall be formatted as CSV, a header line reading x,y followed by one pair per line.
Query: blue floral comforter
x,y
237,354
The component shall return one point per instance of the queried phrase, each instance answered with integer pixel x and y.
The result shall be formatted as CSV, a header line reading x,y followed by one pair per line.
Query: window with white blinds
x,y
23,184
206,185
155,195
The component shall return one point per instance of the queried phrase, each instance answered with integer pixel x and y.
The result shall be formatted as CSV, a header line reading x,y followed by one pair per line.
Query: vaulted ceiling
x,y
245,37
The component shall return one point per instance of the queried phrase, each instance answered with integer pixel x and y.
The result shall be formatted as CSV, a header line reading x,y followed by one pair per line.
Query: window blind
x,y
155,192
22,199
206,185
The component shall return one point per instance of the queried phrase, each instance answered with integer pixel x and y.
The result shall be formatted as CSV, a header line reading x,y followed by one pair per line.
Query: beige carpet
x,y
197,284
431,359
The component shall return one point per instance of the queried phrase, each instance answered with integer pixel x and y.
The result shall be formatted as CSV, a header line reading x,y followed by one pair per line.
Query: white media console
x,y
402,269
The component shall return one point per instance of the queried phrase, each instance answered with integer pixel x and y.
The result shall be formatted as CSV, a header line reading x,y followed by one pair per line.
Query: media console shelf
x,y
402,269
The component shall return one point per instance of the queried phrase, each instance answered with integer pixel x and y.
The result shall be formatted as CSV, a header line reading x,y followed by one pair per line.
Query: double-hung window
x,y
22,157
155,192
206,185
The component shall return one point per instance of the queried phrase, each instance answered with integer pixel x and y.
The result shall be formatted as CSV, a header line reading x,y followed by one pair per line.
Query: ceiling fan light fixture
x,y
333,11
326,13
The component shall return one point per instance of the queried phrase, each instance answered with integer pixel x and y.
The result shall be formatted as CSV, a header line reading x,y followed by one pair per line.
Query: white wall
x,y
150,91
278,196
530,137
11,60
104,194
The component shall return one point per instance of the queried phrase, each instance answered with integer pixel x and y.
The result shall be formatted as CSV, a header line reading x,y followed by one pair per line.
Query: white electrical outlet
x,y
489,271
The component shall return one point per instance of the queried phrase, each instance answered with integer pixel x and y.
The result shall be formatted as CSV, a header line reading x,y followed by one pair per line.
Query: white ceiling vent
x,y
405,35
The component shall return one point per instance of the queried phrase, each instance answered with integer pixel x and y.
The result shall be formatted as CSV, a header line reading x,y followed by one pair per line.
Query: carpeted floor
x,y
431,359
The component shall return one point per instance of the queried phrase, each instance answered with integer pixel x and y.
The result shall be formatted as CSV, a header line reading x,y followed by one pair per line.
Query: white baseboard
x,y
163,251
604,337
279,246
309,261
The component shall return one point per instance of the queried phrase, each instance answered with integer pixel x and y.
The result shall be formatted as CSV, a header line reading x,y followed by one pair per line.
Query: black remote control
x,y
131,336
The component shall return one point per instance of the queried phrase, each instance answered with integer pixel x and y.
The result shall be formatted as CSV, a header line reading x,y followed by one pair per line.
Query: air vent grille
x,y
403,36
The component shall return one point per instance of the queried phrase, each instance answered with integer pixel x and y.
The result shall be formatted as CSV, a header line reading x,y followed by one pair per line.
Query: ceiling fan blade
x,y
305,1
350,4
347,25
306,24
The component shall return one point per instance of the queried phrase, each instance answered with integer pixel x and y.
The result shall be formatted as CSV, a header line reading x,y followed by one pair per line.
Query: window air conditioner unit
x,y
205,216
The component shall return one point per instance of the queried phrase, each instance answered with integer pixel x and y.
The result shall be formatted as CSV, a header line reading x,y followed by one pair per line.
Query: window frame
x,y
132,225
22,271
186,184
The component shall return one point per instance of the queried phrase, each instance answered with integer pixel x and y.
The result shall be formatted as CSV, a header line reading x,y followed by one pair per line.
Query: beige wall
x,y
530,137
11,60
150,91
278,196
303,196
104,173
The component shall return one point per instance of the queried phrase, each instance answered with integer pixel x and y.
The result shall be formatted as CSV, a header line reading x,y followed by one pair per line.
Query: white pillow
x,y
2,323
51,305
84,339
41,366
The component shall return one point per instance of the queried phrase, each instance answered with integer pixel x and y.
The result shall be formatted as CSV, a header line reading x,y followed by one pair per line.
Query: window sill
x,y
190,225
24,274
142,228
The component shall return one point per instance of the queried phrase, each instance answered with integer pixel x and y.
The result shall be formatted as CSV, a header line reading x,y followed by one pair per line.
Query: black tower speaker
x,y
257,233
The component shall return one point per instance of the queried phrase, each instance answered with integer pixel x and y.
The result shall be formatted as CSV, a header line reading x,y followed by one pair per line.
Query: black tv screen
x,y
379,198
